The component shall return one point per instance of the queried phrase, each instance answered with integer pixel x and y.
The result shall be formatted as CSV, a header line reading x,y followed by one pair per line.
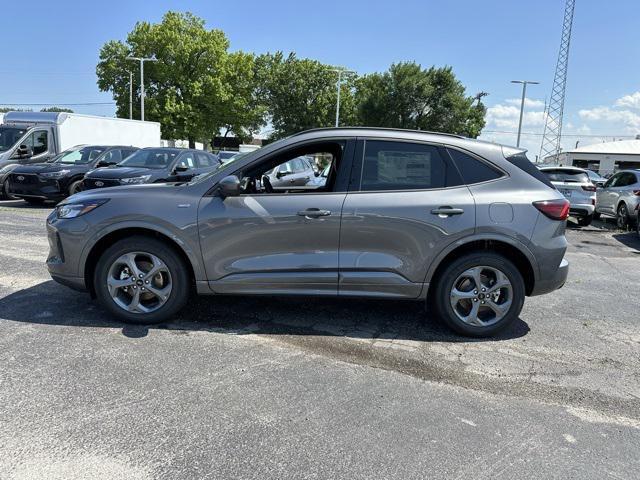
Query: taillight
x,y
636,192
589,188
554,209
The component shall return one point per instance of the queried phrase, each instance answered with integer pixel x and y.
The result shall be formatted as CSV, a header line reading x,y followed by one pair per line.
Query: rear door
x,y
409,202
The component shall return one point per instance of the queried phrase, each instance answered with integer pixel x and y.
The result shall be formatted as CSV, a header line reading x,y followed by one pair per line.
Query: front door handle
x,y
314,213
447,211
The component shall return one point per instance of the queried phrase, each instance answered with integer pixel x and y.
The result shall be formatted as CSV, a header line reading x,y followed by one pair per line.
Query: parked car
x,y
64,175
620,197
36,137
470,227
153,165
296,172
575,185
596,178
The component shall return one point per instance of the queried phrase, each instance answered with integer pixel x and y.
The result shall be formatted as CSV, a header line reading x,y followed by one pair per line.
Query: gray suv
x,y
467,226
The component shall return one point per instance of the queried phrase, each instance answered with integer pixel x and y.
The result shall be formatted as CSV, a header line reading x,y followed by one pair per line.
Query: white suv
x,y
620,197
575,185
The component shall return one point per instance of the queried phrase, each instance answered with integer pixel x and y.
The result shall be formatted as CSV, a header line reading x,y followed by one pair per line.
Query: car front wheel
x,y
141,280
479,294
622,218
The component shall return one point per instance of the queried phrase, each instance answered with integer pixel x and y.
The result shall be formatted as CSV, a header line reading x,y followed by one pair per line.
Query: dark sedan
x,y
63,176
153,165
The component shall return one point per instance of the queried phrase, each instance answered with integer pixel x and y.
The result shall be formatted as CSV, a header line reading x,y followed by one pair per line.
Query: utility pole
x,y
130,95
524,93
340,72
142,60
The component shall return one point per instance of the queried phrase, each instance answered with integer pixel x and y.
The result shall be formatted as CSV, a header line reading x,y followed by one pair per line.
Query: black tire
x,y
596,215
445,281
75,187
585,221
5,195
181,283
34,201
638,224
622,217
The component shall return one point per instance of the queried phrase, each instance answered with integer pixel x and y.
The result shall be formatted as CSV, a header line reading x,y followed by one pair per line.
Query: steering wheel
x,y
266,184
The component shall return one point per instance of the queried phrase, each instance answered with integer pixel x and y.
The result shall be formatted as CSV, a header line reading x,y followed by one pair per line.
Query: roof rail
x,y
386,129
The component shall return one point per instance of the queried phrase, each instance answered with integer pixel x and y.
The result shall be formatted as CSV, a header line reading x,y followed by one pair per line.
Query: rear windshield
x,y
569,176
521,161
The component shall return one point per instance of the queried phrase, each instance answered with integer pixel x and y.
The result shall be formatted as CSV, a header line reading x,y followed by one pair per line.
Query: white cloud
x,y
507,116
627,119
629,101
528,102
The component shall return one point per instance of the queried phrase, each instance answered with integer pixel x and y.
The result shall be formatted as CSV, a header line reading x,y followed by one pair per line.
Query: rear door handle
x,y
447,211
314,213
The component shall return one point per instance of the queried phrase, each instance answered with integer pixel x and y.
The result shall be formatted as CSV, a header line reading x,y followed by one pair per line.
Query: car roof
x,y
175,149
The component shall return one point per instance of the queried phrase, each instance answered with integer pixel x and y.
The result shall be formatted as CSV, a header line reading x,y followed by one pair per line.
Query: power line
x,y
56,103
539,134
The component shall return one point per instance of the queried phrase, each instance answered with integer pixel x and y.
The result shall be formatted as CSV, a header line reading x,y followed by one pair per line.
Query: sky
x,y
51,50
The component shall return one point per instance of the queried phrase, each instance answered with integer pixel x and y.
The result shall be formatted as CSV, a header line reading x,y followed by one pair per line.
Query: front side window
x,y
40,142
405,166
155,158
186,161
112,156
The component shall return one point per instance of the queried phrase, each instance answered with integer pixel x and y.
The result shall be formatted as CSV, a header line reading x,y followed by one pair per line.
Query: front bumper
x,y
33,186
554,282
63,261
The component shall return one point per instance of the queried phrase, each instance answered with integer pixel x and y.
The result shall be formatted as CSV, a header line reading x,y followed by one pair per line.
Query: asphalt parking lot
x,y
300,388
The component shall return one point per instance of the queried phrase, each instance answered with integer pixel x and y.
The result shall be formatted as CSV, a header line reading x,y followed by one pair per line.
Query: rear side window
x,y
405,166
472,169
568,176
521,161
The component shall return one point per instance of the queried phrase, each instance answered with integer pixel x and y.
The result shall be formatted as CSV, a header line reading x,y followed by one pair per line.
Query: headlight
x,y
134,180
73,210
58,174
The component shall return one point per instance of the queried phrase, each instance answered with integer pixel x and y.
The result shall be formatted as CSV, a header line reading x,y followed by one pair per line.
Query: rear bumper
x,y
554,282
581,209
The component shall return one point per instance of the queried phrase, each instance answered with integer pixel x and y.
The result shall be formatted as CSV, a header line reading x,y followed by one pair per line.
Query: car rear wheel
x,y
75,187
479,294
585,221
141,280
622,218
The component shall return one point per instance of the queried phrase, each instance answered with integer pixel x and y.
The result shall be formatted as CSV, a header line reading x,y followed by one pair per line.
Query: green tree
x,y
189,90
301,93
57,109
408,96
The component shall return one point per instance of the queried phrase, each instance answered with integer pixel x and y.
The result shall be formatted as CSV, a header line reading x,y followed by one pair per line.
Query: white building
x,y
604,158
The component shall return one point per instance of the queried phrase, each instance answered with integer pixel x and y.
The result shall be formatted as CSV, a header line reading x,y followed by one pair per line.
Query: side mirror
x,y
180,169
104,163
23,151
316,173
229,186
282,173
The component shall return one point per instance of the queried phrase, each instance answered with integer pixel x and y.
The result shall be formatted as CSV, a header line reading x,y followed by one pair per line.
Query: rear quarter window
x,y
472,169
521,161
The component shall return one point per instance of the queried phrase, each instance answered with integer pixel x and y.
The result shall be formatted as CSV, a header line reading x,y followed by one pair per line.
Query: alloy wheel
x,y
139,282
481,296
622,219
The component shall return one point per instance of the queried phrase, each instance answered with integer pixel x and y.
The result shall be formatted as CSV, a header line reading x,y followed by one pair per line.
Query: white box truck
x,y
35,137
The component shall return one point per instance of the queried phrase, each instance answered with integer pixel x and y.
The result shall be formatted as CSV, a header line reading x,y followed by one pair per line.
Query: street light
x,y
130,95
340,72
524,92
142,60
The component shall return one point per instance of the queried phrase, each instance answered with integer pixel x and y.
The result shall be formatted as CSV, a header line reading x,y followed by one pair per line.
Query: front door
x,y
276,241
410,204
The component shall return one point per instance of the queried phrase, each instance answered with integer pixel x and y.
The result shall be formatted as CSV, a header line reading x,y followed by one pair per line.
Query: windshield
x,y
150,158
79,156
9,137
570,176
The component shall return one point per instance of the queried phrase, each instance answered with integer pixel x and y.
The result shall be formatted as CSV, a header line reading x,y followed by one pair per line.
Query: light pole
x,y
142,60
340,72
130,95
524,92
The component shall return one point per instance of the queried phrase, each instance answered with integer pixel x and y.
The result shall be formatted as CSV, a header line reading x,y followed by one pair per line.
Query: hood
x,y
121,172
134,191
49,167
